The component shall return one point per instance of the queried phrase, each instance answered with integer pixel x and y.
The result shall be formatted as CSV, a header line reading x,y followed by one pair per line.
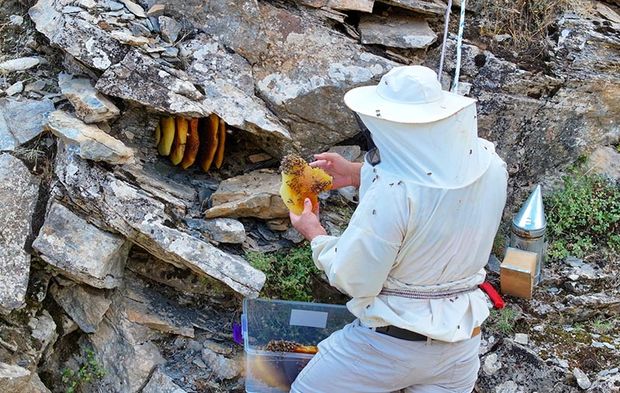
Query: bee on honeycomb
x,y
301,181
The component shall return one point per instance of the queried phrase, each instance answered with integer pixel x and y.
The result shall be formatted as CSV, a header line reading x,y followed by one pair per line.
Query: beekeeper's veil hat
x,y
423,133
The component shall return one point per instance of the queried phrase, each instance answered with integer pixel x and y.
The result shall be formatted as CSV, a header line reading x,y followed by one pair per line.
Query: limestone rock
x,y
81,250
433,7
92,142
19,64
582,379
134,8
124,349
352,5
396,31
145,220
308,66
82,39
169,28
225,79
86,306
183,280
14,378
156,10
21,121
221,230
19,191
161,383
149,308
605,160
256,194
534,373
90,105
222,367
43,329
15,88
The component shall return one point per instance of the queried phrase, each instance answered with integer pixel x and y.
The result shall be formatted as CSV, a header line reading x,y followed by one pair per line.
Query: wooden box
x,y
517,273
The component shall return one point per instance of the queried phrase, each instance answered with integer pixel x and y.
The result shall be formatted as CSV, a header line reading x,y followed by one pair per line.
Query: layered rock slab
x,y
90,105
309,69
79,35
21,121
92,142
81,250
19,192
148,222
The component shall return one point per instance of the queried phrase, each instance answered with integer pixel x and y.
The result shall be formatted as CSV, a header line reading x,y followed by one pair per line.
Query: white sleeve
x,y
359,261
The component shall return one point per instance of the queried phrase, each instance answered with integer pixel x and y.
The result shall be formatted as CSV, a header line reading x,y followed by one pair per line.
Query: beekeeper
x,y
412,256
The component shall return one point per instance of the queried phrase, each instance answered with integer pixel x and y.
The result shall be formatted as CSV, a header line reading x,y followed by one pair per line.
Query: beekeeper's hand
x,y
344,172
308,223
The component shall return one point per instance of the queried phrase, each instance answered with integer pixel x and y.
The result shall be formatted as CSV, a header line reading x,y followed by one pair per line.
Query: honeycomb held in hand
x,y
301,181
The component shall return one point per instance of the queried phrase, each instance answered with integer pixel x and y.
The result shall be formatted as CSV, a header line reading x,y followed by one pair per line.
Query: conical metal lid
x,y
531,221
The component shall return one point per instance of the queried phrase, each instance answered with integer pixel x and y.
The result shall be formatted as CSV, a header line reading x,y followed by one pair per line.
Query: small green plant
x,y
583,217
88,372
290,275
503,320
602,327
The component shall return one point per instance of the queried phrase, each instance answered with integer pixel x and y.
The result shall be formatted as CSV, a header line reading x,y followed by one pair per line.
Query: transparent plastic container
x,y
303,323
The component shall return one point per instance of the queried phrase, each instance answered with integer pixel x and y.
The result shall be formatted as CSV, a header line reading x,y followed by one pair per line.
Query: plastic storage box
x,y
303,323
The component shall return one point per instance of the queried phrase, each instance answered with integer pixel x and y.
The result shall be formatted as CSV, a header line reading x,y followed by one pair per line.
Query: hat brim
x,y
366,101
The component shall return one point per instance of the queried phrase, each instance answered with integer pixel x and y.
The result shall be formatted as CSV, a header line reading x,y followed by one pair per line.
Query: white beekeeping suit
x,y
426,220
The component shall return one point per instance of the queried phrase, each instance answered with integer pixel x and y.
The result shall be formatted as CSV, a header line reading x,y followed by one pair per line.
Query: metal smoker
x,y
529,227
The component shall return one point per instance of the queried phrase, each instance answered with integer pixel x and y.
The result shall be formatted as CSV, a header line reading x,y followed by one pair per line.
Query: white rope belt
x,y
410,294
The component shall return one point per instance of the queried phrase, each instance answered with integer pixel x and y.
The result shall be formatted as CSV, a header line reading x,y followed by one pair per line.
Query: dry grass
x,y
526,21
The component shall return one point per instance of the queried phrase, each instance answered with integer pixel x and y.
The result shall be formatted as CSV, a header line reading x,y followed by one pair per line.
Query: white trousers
x,y
357,359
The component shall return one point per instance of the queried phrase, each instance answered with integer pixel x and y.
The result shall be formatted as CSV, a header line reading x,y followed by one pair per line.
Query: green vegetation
x,y
503,320
290,275
602,327
583,217
88,372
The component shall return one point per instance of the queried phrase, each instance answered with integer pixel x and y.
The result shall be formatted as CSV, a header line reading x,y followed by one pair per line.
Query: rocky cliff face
x,y
113,259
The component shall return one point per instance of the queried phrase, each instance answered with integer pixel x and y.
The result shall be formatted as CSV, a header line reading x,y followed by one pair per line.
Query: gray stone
x,y
134,8
156,10
90,105
171,52
161,383
19,64
521,338
124,349
352,5
435,7
19,191
221,230
181,279
127,38
71,9
350,152
491,364
21,121
582,379
86,306
396,31
332,64
145,220
534,373
43,329
14,378
81,250
148,307
140,78
85,41
222,367
91,142
605,160
16,20
15,88
169,28
256,194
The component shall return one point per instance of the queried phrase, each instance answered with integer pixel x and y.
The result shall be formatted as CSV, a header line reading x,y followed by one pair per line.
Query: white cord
x,y
445,40
459,42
